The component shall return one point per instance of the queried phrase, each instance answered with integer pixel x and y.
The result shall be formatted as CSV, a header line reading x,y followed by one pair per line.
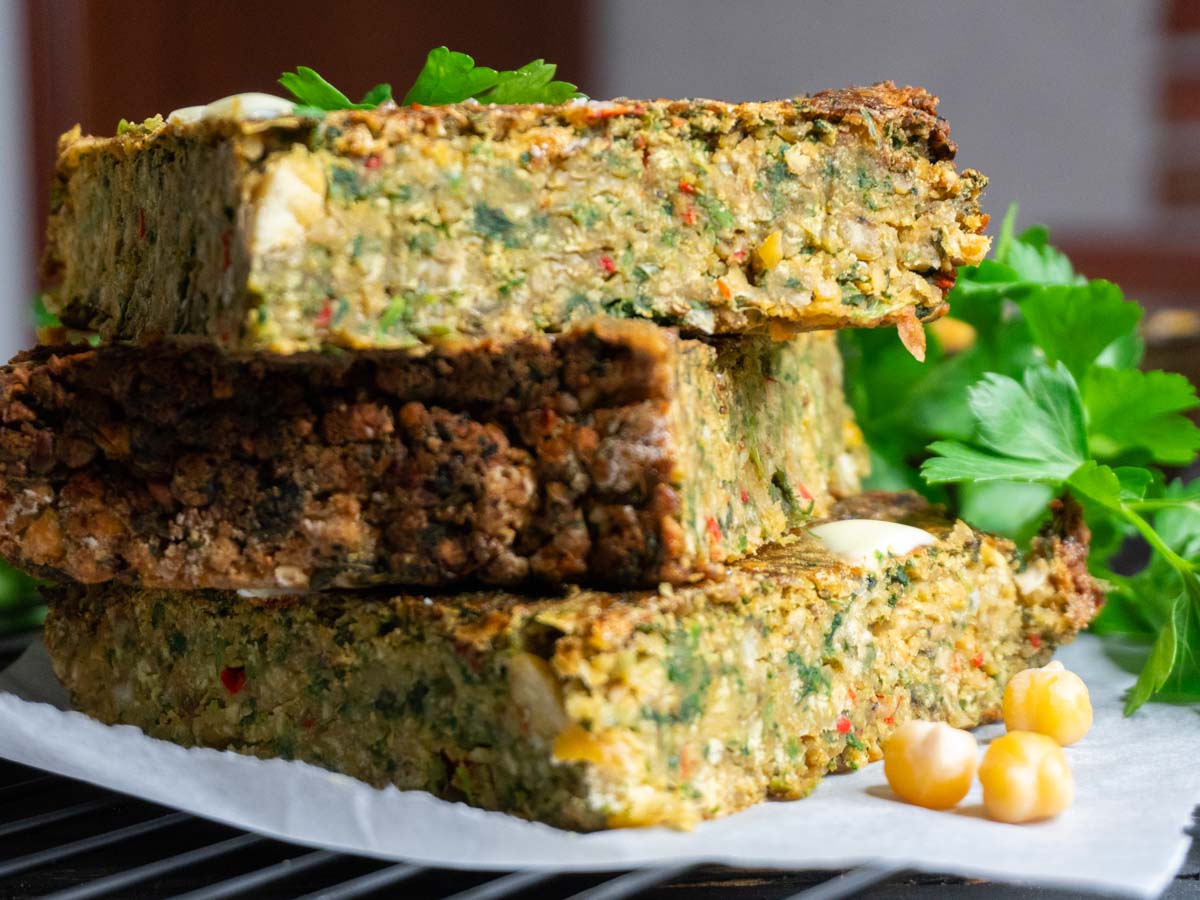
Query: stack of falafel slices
x,y
477,449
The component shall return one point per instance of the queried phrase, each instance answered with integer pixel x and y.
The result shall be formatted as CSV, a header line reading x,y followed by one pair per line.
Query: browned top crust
x,y
906,116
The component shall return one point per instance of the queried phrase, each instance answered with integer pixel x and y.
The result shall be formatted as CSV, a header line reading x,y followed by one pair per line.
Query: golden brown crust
x,y
1066,538
910,112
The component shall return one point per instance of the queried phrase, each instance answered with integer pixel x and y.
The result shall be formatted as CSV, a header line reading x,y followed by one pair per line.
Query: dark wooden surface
x,y
715,882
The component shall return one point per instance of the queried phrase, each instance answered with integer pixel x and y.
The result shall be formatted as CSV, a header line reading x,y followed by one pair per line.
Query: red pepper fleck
x,y
373,161
804,492
725,290
689,761
610,112
852,695
1035,641
889,720
714,529
141,224
843,725
688,215
234,678
606,263
307,722
686,187
739,255
745,496
639,143
945,280
325,315
977,660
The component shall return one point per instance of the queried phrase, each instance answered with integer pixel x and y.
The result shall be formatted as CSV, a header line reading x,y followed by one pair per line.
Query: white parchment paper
x,y
1137,781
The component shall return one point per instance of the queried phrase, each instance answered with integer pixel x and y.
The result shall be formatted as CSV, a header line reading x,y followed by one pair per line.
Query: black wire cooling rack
x,y
68,840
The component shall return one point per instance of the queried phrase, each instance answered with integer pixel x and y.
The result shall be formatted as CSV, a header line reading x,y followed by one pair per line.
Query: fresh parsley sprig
x,y
452,77
447,77
1047,398
315,96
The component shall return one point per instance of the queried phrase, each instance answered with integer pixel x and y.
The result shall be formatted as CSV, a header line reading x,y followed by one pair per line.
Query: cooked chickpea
x,y
1025,777
930,764
1050,701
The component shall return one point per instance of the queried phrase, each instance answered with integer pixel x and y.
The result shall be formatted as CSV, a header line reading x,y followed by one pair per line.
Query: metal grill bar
x,y
630,884
503,886
849,883
125,879
18,787
365,884
56,815
251,880
75,848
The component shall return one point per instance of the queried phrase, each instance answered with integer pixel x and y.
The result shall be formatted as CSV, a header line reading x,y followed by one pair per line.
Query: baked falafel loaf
x,y
616,453
593,710
404,227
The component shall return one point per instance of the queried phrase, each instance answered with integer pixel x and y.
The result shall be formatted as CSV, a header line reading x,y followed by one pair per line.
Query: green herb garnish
x,y
446,77
315,96
452,77
1048,400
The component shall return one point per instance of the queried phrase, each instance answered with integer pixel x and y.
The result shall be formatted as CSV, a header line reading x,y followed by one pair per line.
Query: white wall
x,y
1053,99
16,249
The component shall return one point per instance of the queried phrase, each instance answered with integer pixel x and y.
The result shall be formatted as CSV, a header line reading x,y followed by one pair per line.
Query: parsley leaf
x,y
1041,419
1033,260
452,77
315,96
1030,432
532,83
957,462
1131,411
1173,667
1158,667
1075,323
449,77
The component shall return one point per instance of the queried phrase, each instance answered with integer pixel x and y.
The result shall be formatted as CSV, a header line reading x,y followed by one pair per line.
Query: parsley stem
x,y
1177,562
1163,503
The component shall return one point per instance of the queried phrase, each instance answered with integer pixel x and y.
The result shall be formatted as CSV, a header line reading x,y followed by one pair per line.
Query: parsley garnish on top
x,y
451,77
315,96
446,77
1047,399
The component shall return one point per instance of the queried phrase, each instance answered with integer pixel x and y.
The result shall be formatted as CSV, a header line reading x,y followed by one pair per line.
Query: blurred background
x,y
1087,113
